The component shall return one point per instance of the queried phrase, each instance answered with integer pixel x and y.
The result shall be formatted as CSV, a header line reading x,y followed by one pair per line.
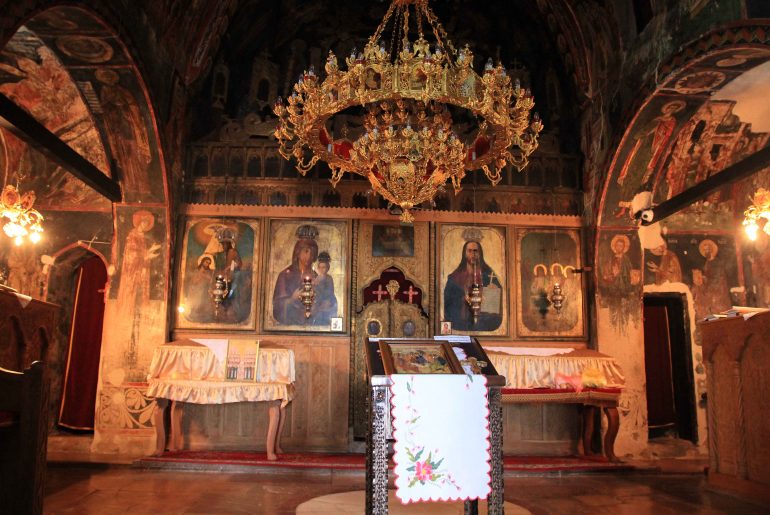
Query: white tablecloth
x,y
193,373
441,432
199,363
578,369
219,392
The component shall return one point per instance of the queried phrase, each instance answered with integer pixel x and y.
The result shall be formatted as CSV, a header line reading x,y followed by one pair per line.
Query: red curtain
x,y
82,371
657,365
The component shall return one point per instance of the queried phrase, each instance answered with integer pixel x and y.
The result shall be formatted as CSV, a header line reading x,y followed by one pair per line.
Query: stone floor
x,y
122,489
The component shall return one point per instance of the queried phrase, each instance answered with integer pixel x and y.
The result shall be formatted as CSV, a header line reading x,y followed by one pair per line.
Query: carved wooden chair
x,y
23,438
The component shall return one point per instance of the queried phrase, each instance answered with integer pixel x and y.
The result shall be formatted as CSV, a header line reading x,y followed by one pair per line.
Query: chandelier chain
x,y
408,145
418,14
393,39
438,30
378,33
405,30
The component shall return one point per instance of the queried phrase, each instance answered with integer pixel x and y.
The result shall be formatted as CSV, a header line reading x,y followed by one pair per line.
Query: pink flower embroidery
x,y
423,470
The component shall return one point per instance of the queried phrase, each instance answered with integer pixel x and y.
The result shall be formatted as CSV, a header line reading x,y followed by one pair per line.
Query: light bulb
x,y
34,237
18,240
751,229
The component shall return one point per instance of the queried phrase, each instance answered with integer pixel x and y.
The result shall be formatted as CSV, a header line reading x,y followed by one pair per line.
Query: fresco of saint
x,y
711,292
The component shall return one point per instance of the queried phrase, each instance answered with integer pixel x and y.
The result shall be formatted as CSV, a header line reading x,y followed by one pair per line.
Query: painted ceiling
x,y
73,75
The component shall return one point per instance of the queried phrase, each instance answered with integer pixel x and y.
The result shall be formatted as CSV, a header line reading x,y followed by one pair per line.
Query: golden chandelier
x,y
760,208
22,220
408,146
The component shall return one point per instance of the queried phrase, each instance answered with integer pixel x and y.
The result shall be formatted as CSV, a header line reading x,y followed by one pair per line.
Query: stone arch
x,y
100,92
665,149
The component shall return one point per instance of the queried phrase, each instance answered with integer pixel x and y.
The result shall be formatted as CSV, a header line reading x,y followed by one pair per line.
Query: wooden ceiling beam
x,y
735,172
22,124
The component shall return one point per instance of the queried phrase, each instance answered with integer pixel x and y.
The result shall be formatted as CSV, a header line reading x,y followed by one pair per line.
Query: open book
x,y
745,311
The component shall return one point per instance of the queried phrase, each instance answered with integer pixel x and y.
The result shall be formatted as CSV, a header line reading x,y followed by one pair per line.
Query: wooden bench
x,y
23,439
566,378
591,399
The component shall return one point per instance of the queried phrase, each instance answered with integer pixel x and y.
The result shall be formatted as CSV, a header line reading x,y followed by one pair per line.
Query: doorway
x,y
85,343
668,367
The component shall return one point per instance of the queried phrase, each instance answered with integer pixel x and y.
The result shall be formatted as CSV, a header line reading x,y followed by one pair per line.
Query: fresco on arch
x,y
642,152
71,73
693,127
33,77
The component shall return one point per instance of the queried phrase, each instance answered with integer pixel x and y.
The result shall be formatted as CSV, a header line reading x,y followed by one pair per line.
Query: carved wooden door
x,y
385,319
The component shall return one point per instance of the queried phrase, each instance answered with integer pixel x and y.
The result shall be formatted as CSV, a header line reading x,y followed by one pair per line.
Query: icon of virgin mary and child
x,y
287,302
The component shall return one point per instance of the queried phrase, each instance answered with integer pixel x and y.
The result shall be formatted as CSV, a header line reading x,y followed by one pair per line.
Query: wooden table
x,y
192,374
584,377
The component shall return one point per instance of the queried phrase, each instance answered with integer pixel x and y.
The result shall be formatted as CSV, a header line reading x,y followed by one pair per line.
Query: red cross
x,y
379,292
411,292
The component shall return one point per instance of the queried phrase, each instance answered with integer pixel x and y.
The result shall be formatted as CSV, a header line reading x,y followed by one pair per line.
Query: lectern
x,y
473,359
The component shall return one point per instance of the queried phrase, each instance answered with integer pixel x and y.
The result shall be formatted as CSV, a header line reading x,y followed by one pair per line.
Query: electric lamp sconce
x,y
757,214
19,219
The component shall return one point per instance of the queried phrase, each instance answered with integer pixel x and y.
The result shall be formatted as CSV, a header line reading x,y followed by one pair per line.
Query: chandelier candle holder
x,y
408,147
21,219
752,217
307,295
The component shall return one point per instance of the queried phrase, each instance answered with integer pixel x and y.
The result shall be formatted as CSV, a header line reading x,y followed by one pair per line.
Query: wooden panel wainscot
x,y
737,356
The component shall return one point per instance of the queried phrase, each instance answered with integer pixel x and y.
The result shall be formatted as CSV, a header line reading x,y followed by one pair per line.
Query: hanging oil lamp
x,y
219,292
307,295
557,298
474,299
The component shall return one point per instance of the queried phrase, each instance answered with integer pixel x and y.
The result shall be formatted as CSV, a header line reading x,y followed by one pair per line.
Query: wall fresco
x,y
619,277
687,132
707,263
